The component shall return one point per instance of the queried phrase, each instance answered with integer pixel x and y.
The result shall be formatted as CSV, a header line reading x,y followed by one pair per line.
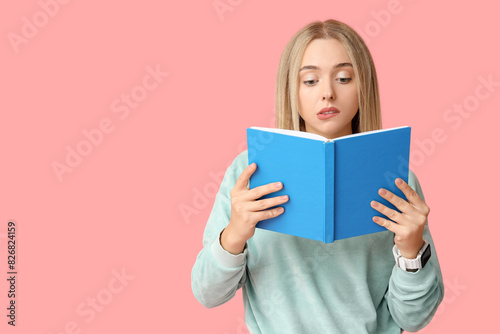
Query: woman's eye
x,y
346,80
341,80
309,81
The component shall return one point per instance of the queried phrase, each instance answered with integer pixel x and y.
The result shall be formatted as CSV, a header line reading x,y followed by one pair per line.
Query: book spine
x,y
329,148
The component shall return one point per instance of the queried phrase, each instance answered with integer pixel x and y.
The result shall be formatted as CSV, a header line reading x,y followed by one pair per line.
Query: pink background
x,y
119,209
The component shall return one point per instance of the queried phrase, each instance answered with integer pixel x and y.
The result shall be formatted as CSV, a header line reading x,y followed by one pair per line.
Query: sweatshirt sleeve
x,y
218,274
413,297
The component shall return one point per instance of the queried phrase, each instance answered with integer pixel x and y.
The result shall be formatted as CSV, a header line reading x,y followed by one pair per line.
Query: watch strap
x,y
413,265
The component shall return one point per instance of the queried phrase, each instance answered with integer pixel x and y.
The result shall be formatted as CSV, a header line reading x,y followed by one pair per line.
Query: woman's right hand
x,y
247,211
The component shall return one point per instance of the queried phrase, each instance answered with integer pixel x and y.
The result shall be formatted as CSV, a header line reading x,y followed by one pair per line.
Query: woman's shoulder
x,y
411,177
241,159
240,162
414,183
235,168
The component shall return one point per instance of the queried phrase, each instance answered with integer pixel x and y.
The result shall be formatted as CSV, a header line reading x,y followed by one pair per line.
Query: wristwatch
x,y
412,265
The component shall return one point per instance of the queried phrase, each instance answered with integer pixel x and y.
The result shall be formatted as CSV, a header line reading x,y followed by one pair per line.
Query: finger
x,y
390,225
263,215
242,181
397,201
267,203
390,213
265,189
411,195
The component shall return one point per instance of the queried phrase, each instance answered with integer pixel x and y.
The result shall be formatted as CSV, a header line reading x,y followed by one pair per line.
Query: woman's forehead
x,y
321,53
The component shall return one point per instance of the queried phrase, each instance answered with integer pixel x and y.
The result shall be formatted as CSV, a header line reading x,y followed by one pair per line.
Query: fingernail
x,y
284,197
374,204
399,181
280,210
277,185
383,192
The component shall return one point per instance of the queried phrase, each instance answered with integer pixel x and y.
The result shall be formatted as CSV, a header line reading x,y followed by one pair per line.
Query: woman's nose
x,y
329,94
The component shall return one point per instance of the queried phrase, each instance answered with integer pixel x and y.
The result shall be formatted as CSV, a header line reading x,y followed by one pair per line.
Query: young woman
x,y
384,282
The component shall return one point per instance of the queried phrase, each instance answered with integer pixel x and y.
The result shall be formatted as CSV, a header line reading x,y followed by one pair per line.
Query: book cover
x,y
330,182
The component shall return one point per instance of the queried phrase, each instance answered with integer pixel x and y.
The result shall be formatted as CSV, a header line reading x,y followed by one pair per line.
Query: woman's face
x,y
326,79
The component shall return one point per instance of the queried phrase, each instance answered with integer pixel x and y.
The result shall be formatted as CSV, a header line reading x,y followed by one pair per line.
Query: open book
x,y
330,182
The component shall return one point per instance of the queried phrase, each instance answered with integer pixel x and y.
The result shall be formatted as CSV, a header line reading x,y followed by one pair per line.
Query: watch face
x,y
426,255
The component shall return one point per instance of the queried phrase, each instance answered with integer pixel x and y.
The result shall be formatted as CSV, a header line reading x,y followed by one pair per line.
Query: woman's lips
x,y
326,113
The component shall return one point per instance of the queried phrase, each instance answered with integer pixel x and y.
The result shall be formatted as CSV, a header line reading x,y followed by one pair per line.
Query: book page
x,y
302,134
314,136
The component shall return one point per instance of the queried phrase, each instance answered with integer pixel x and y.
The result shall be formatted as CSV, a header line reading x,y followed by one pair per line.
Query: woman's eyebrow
x,y
314,67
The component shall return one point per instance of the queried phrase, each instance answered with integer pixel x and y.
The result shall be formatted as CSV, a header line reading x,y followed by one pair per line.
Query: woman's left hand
x,y
410,221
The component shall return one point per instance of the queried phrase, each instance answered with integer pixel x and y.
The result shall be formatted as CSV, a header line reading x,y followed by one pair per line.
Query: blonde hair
x,y
368,116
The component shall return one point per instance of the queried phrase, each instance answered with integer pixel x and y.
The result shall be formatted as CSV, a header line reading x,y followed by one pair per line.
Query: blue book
x,y
330,182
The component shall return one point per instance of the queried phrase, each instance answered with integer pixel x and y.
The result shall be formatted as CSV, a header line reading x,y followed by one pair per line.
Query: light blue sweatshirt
x,y
297,285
